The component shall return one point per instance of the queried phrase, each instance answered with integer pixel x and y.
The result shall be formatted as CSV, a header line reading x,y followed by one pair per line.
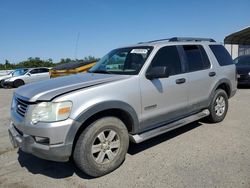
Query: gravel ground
x,y
196,155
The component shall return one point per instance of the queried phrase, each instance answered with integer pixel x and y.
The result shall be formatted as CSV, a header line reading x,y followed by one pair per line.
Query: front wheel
x,y
218,107
102,146
18,83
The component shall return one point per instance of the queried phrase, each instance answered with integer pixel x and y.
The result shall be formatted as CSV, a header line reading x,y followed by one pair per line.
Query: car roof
x,y
175,41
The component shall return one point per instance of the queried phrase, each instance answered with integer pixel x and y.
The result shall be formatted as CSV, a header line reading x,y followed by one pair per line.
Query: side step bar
x,y
138,138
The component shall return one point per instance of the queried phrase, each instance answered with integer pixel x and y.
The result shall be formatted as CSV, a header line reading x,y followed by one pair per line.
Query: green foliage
x,y
90,58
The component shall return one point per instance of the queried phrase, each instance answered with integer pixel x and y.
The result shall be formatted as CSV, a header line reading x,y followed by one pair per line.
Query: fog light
x,y
42,140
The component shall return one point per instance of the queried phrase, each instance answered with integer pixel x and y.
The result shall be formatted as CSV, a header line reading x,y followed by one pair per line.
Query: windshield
x,y
242,60
126,61
10,73
19,72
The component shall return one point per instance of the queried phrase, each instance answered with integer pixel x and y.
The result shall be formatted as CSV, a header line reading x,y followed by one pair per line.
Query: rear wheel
x,y
218,107
18,83
102,146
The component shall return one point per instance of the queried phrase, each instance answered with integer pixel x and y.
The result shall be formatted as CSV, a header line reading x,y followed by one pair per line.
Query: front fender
x,y
85,115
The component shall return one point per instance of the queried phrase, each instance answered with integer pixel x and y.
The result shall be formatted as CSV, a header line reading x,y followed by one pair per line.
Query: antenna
x,y
76,48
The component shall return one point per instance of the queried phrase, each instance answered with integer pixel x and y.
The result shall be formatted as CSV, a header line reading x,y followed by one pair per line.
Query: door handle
x,y
180,81
211,74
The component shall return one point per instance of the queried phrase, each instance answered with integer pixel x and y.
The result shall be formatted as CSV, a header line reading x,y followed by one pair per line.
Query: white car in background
x,y
26,76
6,76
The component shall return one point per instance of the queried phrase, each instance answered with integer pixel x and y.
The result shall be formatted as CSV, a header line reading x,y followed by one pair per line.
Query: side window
x,y
43,70
34,71
196,58
221,54
168,56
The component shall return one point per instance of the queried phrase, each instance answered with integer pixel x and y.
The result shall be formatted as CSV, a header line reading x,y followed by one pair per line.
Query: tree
x,y
90,58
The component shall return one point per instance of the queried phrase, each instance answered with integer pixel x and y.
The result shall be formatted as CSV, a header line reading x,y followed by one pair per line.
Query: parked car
x,y
133,93
243,69
26,76
3,77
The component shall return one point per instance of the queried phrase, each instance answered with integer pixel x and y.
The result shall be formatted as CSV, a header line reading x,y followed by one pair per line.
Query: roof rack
x,y
181,39
177,39
154,41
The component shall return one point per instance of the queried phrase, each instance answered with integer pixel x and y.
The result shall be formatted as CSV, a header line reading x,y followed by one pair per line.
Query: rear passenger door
x,y
43,74
200,76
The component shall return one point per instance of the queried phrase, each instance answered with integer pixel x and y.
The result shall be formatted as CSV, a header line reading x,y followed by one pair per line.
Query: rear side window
x,y
221,54
196,58
168,56
43,70
34,71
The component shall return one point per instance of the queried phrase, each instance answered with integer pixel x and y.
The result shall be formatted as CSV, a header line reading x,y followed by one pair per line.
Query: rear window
x,y
221,54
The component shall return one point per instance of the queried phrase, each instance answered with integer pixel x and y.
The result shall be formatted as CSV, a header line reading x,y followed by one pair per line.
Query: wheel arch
x,y
223,84
18,79
118,109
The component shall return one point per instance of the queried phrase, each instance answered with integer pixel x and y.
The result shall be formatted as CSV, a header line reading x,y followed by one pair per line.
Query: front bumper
x,y
7,84
28,144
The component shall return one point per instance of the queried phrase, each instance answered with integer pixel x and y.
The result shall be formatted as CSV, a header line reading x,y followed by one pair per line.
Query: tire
x,y
18,83
1,83
218,107
92,152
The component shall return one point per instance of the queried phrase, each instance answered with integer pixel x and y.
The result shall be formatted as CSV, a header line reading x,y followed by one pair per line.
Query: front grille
x,y
21,106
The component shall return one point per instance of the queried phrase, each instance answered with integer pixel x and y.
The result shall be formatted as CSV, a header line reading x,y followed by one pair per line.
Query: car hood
x,y
243,69
49,89
5,77
13,78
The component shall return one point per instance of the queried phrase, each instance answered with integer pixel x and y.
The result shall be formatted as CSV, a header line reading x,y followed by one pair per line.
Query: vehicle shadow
x,y
60,170
136,148
57,170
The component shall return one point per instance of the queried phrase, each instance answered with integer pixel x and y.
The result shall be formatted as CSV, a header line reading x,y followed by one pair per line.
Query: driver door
x,y
164,99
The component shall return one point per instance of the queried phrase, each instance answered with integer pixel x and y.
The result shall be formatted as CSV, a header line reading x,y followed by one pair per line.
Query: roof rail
x,y
178,39
181,39
154,41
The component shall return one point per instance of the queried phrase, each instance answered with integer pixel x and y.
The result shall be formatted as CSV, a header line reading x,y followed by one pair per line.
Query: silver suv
x,y
132,94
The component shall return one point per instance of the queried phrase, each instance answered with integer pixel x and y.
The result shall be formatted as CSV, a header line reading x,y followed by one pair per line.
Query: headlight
x,y
51,111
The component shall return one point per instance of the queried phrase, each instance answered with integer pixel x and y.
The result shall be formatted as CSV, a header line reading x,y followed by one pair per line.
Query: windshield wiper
x,y
100,71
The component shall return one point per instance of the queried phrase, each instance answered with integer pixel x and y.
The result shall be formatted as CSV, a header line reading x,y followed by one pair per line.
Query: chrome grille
x,y
21,106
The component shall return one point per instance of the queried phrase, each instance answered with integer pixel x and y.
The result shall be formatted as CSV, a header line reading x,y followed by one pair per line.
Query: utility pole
x,y
76,48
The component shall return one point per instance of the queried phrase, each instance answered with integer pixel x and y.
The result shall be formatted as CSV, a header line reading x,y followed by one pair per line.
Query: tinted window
x,y
168,56
196,58
221,54
206,62
43,70
34,71
242,60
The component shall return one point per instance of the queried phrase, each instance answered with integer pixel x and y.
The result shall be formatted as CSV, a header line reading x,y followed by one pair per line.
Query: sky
x,y
77,28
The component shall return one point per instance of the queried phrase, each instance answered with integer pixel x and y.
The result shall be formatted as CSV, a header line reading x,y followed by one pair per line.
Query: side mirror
x,y
157,72
28,74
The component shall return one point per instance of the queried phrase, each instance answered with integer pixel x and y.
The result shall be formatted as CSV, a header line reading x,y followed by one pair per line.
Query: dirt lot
x,y
197,155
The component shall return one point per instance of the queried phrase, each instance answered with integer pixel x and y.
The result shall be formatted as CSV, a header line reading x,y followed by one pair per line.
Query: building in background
x,y
238,43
